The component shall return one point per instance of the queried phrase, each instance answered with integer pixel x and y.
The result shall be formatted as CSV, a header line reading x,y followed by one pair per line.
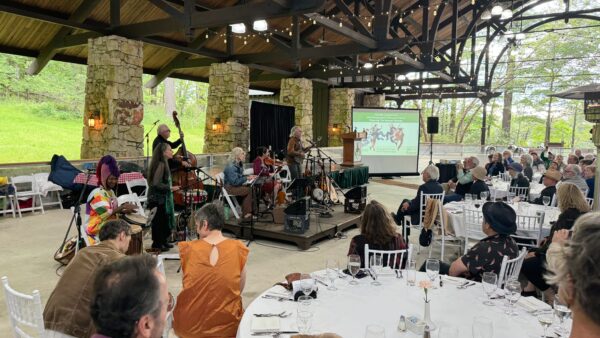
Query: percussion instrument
x,y
135,219
317,194
196,196
136,245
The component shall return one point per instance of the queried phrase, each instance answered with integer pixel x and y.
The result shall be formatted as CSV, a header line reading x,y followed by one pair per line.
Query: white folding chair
x,y
439,235
529,228
141,193
44,187
519,191
160,266
554,201
24,311
407,219
132,198
590,202
231,199
505,176
391,258
284,176
25,188
472,219
8,203
511,268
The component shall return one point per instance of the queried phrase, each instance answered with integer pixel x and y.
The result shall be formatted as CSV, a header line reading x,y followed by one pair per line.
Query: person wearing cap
x,y
550,179
515,170
479,185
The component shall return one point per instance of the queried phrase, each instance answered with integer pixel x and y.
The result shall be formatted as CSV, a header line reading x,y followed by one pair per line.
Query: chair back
x,y
24,311
511,268
395,259
529,228
423,206
141,193
472,219
590,202
24,184
505,176
519,191
230,199
554,201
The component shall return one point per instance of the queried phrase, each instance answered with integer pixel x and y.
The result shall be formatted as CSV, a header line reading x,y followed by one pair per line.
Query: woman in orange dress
x,y
214,274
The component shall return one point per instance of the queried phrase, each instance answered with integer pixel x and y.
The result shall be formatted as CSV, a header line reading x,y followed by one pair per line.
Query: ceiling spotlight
x,y
368,65
238,28
260,25
506,14
486,15
400,77
497,10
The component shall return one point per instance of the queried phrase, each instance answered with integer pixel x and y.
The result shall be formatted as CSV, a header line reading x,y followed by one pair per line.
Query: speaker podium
x,y
352,148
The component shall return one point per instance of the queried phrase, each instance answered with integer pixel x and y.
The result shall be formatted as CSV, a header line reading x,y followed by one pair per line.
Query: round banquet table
x,y
349,310
499,189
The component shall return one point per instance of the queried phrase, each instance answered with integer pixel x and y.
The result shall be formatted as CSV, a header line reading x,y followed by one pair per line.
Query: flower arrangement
x,y
425,285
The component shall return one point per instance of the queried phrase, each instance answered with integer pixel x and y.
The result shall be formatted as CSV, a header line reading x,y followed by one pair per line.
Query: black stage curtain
x,y
270,125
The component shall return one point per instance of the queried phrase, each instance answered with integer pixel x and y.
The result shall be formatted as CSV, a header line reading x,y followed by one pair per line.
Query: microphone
x,y
155,122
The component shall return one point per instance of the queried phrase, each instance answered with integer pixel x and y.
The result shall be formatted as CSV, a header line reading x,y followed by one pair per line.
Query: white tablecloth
x,y
500,189
456,222
349,310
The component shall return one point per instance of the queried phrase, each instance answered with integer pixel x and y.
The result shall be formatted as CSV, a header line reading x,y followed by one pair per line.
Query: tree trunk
x,y
153,95
491,120
508,94
464,131
452,124
169,96
573,132
422,121
549,116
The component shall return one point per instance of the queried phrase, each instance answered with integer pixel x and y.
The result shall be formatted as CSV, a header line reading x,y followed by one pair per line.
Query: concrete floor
x,y
28,245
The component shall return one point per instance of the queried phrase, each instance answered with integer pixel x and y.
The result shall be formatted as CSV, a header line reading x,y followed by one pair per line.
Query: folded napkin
x,y
532,304
454,280
262,324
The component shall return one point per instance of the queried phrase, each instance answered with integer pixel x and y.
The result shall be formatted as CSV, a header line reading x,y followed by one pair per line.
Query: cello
x,y
186,179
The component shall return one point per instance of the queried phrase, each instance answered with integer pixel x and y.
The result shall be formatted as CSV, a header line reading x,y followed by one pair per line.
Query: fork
x,y
283,314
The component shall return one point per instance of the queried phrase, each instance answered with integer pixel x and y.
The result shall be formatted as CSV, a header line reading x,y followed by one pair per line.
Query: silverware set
x,y
466,285
273,334
279,298
283,314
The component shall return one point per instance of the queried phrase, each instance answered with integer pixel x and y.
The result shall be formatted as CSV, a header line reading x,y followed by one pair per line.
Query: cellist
x,y
163,133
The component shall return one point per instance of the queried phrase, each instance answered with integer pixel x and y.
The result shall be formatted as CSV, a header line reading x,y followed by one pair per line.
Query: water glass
x,y
484,195
305,303
562,312
306,284
353,267
448,332
411,273
546,200
432,267
375,266
304,321
513,293
546,320
489,280
468,198
511,198
482,327
375,331
331,268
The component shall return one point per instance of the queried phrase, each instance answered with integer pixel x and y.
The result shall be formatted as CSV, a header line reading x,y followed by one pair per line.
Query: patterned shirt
x,y
486,256
100,207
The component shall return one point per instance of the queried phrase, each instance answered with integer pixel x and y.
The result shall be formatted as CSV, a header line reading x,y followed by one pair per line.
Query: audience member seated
x,y
550,179
464,180
583,164
515,170
571,204
590,179
479,185
578,154
572,174
538,164
526,162
130,299
574,269
495,167
561,163
67,310
499,222
572,159
214,274
102,204
430,176
376,229
234,180
507,155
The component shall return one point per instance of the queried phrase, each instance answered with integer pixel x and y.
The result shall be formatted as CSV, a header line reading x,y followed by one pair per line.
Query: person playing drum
x,y
102,202
270,187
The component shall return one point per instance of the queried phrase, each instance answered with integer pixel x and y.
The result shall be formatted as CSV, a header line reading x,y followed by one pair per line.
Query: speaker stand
x,y
430,149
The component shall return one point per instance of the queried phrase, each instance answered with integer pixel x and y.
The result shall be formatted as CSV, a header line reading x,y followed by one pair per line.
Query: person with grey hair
x,y
234,180
412,207
572,174
162,136
214,275
67,311
463,181
295,152
573,267
526,161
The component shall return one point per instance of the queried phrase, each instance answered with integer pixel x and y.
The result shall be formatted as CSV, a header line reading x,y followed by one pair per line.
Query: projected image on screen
x,y
392,142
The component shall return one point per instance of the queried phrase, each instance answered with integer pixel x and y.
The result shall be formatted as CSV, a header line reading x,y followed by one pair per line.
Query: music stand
x,y
77,215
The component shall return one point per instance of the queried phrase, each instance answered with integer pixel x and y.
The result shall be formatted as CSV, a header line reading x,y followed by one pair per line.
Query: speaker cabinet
x,y
355,200
433,124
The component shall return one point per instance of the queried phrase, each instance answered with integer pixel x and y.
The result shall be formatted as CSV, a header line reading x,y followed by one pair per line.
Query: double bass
x,y
185,179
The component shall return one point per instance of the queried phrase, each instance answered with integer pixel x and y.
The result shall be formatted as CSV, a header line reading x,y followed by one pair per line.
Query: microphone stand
x,y
147,136
325,157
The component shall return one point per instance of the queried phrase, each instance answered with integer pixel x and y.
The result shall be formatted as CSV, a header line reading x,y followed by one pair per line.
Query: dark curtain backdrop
x,y
270,125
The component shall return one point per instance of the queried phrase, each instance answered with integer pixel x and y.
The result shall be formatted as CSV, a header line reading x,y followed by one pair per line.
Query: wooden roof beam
x,y
345,31
358,25
384,70
376,83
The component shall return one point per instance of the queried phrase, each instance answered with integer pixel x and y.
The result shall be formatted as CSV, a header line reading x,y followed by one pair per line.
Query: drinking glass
x,y
305,303
304,321
484,195
482,327
353,267
375,331
468,198
411,273
546,321
331,268
306,284
513,293
511,197
562,312
546,200
489,281
432,267
448,332
375,266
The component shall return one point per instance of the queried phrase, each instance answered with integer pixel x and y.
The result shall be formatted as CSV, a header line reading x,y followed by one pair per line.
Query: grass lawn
x,y
27,135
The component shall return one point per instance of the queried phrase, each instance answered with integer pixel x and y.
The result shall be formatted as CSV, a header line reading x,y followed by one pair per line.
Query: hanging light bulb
x,y
472,2
238,28
290,33
314,22
340,24
368,65
206,36
400,19
506,14
497,10
260,25
267,39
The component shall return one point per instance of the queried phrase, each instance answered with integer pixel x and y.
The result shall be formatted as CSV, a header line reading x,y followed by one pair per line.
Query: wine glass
x,y
546,321
482,327
468,198
432,267
375,266
546,200
353,267
306,284
513,293
331,268
562,312
304,320
375,331
489,281
484,195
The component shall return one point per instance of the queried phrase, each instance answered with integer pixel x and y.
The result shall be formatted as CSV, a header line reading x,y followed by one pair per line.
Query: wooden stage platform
x,y
320,228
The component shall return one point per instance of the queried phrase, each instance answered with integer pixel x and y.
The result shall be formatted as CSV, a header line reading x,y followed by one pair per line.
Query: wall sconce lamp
x,y
94,119
335,128
216,124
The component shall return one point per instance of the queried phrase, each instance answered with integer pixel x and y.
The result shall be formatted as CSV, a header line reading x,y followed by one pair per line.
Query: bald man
x,y
163,134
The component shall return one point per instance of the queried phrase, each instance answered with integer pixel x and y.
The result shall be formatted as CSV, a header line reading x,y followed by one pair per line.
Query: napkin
x,y
532,304
262,324
454,280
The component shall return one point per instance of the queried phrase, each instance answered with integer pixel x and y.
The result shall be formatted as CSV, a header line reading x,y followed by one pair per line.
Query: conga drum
x,y
136,245
135,219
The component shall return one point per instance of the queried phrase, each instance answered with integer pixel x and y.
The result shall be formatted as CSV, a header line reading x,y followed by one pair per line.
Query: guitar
x,y
300,158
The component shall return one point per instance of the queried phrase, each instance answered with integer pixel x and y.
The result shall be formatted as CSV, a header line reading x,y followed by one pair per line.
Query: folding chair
x,y
472,219
8,203
391,258
25,188
134,199
231,199
24,311
44,186
519,191
140,188
407,219
505,176
511,268
439,234
529,229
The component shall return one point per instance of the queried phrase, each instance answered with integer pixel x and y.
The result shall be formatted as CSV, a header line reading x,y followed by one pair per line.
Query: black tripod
x,y
147,136
77,216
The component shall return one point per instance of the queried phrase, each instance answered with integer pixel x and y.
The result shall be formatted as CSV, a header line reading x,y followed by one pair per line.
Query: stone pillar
x,y
228,100
341,101
298,93
374,100
113,93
